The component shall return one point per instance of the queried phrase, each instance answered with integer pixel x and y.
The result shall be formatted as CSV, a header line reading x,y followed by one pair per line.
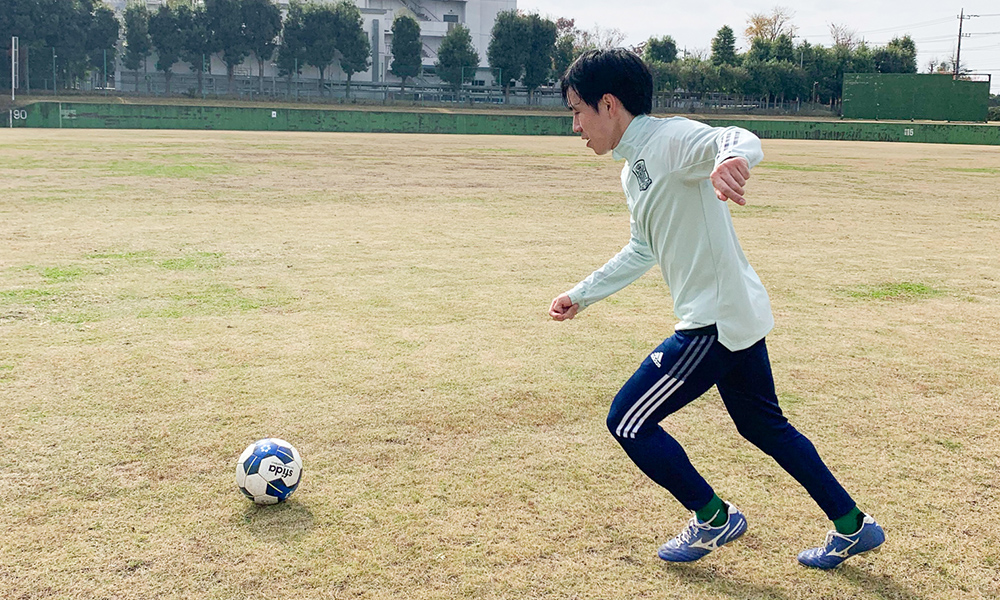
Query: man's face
x,y
596,127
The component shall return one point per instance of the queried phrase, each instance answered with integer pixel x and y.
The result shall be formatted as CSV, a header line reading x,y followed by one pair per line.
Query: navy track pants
x,y
682,368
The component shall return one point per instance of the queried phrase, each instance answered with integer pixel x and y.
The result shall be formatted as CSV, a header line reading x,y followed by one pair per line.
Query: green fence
x,y
146,116
910,96
934,133
140,116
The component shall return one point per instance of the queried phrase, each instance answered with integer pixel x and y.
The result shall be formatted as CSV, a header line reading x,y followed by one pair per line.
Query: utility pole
x,y
958,53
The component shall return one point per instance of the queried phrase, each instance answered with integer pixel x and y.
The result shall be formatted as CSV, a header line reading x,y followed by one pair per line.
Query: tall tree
x,y
167,39
196,49
770,26
760,51
17,18
102,39
541,46
732,78
457,57
406,47
724,47
227,35
352,41
563,55
697,75
319,38
262,20
898,56
62,28
292,49
508,51
663,49
783,48
137,42
862,60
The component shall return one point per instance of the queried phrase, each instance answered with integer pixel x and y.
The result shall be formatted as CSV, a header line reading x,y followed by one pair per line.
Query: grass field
x,y
166,298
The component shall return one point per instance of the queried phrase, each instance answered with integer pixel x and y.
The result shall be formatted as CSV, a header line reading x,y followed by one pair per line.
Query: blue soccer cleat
x,y
698,539
840,547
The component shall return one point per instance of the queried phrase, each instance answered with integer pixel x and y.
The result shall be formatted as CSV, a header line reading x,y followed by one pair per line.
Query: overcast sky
x,y
932,24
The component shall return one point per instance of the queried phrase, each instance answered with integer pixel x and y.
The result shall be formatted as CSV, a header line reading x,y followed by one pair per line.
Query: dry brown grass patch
x,y
379,301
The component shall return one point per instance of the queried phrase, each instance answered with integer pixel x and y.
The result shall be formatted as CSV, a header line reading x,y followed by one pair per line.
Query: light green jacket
x,y
679,224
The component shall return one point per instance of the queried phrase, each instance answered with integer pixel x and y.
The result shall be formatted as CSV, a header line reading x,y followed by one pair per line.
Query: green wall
x,y
934,133
140,116
911,96
146,116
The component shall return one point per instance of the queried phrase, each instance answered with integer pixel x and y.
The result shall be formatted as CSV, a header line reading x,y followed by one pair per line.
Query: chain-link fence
x,y
46,71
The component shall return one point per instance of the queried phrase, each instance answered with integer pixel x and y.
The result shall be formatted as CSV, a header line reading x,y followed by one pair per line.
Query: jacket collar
x,y
634,138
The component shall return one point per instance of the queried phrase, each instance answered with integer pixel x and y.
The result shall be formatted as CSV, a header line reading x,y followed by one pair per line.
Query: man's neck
x,y
621,125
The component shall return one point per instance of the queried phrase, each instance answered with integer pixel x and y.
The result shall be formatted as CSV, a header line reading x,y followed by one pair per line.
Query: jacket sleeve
x,y
737,142
629,264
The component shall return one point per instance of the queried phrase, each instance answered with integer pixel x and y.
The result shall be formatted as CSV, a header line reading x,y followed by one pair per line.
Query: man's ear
x,y
612,102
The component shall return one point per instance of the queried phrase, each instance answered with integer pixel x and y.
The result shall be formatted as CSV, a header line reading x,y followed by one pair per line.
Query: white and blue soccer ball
x,y
268,471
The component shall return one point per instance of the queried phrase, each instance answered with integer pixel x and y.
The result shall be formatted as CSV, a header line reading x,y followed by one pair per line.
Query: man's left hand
x,y
729,178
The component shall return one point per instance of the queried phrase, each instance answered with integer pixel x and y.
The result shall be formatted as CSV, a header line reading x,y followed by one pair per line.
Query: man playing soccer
x,y
676,172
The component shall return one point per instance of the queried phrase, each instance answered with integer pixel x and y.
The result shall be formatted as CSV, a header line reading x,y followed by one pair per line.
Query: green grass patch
x,y
199,261
890,291
949,445
29,297
137,168
983,170
138,255
790,400
62,274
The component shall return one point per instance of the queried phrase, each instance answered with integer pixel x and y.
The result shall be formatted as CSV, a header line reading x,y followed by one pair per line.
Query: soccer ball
x,y
268,471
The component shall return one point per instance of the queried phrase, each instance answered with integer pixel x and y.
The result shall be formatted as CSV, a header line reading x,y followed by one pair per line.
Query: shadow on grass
x,y
866,583
881,586
285,522
708,576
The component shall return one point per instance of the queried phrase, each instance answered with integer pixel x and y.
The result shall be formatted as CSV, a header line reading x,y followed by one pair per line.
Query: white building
x,y
436,18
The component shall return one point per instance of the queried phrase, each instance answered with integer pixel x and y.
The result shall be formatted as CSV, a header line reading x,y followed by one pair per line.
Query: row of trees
x,y
85,32
776,69
68,38
234,30
523,48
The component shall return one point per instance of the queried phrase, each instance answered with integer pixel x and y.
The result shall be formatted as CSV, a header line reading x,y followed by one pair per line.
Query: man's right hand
x,y
563,309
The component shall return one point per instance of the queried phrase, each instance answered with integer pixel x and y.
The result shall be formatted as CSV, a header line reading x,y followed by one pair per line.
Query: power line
x,y
923,24
940,21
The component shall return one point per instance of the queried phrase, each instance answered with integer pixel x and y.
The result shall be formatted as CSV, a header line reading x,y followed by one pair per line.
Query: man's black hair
x,y
615,71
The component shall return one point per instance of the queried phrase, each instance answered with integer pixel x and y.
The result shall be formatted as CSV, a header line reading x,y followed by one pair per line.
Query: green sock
x,y
850,523
714,511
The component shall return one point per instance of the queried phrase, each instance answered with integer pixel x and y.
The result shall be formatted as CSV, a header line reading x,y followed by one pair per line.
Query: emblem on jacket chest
x,y
641,175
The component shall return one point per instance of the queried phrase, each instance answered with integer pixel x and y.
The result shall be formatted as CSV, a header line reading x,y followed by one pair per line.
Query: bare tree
x,y
844,36
601,38
771,26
